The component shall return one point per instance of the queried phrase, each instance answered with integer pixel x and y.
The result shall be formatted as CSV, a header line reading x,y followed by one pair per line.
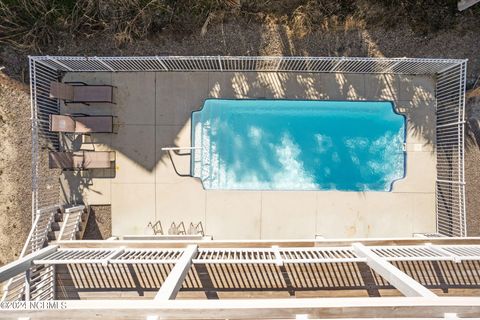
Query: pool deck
x,y
153,110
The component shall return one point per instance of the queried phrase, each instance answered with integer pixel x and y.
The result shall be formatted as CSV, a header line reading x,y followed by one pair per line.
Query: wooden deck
x,y
240,281
122,279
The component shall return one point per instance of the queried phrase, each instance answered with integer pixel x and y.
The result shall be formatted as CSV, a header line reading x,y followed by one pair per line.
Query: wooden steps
x,y
71,224
50,224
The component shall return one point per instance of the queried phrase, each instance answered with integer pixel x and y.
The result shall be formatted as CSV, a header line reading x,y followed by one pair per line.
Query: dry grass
x,y
27,23
34,24
326,15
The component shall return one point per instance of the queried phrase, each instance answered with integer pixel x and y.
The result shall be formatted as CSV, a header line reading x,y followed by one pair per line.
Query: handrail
x,y
29,237
168,149
75,208
180,148
64,226
29,242
67,223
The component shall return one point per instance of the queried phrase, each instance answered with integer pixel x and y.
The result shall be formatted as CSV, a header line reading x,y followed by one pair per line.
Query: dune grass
x,y
33,24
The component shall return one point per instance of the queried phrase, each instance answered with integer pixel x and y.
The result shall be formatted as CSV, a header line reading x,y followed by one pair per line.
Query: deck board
x,y
257,281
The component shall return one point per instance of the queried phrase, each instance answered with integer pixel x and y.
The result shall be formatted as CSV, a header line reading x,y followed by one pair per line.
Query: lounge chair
x,y
80,92
81,160
81,124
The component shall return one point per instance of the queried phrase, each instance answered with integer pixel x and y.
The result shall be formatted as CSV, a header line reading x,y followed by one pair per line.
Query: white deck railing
x,y
38,280
274,255
71,223
397,264
450,95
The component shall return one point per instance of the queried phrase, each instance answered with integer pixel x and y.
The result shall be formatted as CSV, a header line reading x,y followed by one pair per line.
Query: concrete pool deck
x,y
153,110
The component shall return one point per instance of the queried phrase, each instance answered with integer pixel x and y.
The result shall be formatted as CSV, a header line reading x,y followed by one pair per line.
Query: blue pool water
x,y
298,145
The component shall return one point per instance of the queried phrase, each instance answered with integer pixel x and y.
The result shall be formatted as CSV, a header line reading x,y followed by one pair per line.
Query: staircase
x,y
205,161
15,288
197,157
49,224
71,224
40,228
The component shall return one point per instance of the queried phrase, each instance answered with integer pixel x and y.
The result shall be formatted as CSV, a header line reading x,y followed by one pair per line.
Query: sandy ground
x,y
472,161
99,225
233,37
15,168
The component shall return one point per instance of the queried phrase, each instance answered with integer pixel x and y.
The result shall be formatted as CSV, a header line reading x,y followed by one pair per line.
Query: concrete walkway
x,y
153,111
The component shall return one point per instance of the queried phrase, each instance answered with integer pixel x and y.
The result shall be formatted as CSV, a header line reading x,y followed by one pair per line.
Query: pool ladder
x,y
177,228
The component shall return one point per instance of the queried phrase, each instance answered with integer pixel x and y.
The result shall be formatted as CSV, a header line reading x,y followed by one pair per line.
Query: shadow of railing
x,y
346,279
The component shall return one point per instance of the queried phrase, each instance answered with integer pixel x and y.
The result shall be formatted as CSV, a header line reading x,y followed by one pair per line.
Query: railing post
x,y
397,278
64,225
174,280
278,256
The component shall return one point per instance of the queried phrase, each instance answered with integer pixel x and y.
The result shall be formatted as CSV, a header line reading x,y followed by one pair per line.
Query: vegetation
x,y
33,24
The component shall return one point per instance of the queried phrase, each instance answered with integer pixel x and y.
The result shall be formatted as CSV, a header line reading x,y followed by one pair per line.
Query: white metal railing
x,y
112,256
240,256
37,278
71,223
45,185
407,265
244,63
274,255
39,231
450,117
180,148
450,109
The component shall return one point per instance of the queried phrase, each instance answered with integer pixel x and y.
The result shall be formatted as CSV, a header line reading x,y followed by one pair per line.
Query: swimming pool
x,y
298,145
